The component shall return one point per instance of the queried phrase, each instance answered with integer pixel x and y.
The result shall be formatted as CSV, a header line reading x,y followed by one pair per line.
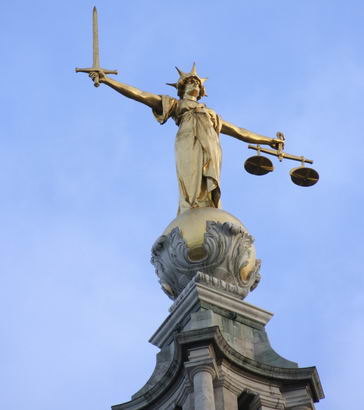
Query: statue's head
x,y
190,83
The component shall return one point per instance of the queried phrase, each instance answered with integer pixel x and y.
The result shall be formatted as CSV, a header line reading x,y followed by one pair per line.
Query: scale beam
x,y
280,154
260,165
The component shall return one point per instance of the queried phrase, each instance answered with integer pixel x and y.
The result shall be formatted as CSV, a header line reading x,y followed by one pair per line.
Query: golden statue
x,y
197,147
203,237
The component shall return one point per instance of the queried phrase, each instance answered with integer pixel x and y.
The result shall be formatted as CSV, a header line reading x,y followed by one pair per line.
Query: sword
x,y
95,53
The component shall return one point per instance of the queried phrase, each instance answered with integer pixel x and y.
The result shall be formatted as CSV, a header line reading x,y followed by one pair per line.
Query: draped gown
x,y
197,149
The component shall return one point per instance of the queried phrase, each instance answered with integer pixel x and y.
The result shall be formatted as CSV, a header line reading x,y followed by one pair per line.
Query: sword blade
x,y
95,37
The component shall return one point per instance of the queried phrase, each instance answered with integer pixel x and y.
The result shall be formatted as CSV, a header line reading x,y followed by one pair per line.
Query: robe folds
x,y
197,150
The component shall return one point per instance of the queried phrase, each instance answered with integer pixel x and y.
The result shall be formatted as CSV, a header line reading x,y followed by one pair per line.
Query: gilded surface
x,y
207,240
192,225
197,146
198,152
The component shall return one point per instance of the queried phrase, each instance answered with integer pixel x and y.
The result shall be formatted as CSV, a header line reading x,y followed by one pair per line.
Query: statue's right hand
x,y
97,77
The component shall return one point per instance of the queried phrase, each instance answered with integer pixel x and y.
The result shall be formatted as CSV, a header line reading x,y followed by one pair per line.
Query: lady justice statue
x,y
203,237
195,239
212,344
197,146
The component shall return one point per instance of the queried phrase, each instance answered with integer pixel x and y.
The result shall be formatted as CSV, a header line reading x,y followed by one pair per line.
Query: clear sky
x,y
87,183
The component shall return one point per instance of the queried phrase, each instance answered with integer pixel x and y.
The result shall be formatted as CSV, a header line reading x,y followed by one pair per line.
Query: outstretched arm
x,y
153,101
248,136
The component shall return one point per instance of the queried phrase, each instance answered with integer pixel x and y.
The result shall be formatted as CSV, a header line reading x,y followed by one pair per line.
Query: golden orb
x,y
192,224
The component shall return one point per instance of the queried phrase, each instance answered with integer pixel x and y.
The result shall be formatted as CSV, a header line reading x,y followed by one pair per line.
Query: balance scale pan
x,y
304,176
258,165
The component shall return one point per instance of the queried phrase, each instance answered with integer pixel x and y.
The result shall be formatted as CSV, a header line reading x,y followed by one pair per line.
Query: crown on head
x,y
179,85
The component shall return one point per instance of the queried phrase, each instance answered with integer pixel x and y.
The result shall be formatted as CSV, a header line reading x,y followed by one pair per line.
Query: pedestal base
x,y
215,355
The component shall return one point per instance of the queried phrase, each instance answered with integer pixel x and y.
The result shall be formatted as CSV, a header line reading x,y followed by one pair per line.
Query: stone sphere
x,y
207,240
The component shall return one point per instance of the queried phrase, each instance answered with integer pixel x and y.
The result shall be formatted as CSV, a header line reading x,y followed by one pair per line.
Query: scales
x,y
261,165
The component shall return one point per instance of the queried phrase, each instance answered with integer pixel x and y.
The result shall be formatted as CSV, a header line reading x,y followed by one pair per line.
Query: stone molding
x,y
202,288
305,375
228,251
298,399
201,359
173,378
225,381
204,326
193,368
211,282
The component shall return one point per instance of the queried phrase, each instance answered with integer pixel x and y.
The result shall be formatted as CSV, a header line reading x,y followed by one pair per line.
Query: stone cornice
x,y
308,374
223,350
205,289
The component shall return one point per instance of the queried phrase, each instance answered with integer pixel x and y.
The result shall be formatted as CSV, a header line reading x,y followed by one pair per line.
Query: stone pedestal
x,y
215,355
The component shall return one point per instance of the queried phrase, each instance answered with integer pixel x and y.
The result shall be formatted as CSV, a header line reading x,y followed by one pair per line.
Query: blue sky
x,y
88,183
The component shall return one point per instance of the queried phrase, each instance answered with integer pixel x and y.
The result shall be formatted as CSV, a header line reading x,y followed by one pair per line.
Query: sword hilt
x,y
95,70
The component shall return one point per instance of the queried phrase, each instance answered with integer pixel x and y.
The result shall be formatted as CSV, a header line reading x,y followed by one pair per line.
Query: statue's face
x,y
192,87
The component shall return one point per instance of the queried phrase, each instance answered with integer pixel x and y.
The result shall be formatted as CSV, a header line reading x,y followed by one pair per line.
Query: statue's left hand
x,y
278,143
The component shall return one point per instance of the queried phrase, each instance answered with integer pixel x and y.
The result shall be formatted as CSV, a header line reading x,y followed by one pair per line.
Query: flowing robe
x,y
198,151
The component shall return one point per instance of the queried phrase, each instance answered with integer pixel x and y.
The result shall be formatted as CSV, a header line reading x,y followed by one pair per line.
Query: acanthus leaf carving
x,y
228,251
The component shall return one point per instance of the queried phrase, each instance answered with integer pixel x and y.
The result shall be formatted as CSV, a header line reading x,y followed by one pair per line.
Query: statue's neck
x,y
187,96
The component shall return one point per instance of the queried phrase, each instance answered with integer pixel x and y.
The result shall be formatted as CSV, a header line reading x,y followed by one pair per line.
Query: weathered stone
x,y
226,252
220,358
